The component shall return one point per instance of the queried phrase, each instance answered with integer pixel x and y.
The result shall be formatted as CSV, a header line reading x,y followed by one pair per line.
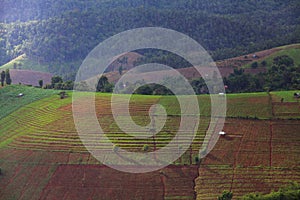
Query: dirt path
x,y
271,139
235,161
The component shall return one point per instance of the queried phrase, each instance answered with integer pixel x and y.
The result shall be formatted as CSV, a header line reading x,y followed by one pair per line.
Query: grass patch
x,y
292,51
288,96
23,62
9,102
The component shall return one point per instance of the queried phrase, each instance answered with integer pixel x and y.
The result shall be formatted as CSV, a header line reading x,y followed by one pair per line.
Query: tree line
x,y
283,74
5,77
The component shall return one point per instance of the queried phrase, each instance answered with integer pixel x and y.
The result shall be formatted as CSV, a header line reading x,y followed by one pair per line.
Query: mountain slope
x,y
69,30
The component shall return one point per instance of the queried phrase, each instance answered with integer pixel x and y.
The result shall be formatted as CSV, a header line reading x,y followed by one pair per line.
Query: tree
x,y
41,83
145,147
56,81
199,86
68,85
2,78
226,195
264,63
144,90
108,87
120,70
7,77
291,192
254,65
283,74
103,85
283,60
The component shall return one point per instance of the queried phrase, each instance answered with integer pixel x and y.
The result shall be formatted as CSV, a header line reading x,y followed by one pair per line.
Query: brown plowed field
x,y
254,156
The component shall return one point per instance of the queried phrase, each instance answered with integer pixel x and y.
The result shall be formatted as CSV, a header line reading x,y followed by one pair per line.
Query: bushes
x,y
145,147
291,192
226,195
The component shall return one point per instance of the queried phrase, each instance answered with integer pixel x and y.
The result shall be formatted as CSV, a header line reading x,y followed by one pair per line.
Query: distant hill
x,y
227,66
59,34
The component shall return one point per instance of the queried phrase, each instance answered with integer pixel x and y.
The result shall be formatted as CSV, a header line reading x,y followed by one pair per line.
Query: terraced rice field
x,y
255,155
43,157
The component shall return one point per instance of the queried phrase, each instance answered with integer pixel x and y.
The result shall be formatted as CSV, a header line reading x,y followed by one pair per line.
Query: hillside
x,y
59,34
227,66
42,157
10,102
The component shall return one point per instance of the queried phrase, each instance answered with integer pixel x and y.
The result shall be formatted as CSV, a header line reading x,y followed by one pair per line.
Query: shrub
x,y
254,65
226,195
197,160
145,147
264,63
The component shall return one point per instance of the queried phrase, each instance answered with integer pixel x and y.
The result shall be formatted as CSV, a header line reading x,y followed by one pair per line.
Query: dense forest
x,y
61,33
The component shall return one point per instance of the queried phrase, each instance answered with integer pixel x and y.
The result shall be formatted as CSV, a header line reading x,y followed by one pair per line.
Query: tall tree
x,y
7,77
41,83
103,85
2,78
56,80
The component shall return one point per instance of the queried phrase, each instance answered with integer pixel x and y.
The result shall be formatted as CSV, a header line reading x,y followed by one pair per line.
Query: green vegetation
x,y
283,74
7,77
10,102
226,195
57,83
2,78
47,126
103,85
224,28
291,192
286,95
23,62
292,51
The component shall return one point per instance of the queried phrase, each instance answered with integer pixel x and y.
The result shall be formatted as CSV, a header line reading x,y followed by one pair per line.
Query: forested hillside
x,y
61,33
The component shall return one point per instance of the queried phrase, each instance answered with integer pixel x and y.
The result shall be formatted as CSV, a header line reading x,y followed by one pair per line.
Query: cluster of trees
x,y
282,75
5,77
65,31
291,192
57,83
103,85
163,57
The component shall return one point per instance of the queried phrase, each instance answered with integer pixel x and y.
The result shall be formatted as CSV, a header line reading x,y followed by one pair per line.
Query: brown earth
x,y
254,156
225,67
61,175
29,77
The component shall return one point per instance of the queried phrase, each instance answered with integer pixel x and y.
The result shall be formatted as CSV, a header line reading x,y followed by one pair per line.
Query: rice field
x,y
39,145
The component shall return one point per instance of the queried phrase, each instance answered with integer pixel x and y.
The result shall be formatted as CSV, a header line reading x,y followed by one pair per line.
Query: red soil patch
x,y
24,180
254,156
226,67
130,57
29,77
100,182
57,175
